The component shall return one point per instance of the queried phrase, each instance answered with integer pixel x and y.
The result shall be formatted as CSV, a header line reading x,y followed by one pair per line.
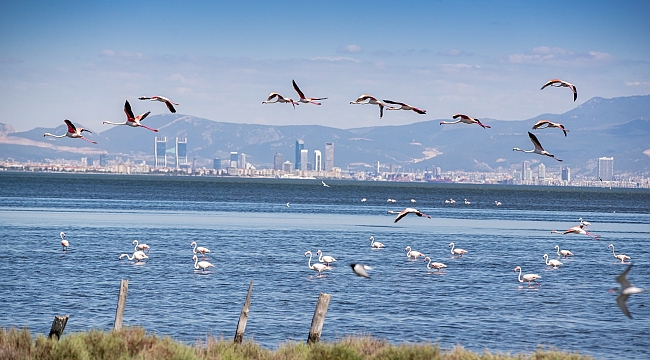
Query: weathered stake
x,y
243,317
319,318
58,325
121,302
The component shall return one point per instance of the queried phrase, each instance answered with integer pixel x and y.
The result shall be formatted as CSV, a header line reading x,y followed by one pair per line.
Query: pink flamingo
x,y
201,264
410,211
131,120
64,242
466,120
73,132
170,104
202,250
436,265
562,83
528,277
304,99
577,230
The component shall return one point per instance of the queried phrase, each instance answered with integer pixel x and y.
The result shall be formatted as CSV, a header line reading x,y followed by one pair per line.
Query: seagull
x,y
562,83
364,200
466,120
170,104
413,201
131,120
277,98
467,202
584,223
287,204
543,124
497,203
404,106
303,99
73,132
625,291
410,211
538,147
360,270
369,99
323,182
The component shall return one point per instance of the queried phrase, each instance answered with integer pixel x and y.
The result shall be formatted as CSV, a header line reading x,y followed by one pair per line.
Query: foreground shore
x,y
135,343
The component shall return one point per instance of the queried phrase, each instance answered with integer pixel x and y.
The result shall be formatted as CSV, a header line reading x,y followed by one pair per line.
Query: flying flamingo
x,y
412,253
403,106
170,104
410,211
64,242
317,266
366,99
562,83
138,255
528,277
538,147
375,244
73,132
200,249
325,259
436,265
554,263
466,120
577,230
131,120
303,99
564,253
138,247
619,256
543,124
625,291
201,264
457,251
277,98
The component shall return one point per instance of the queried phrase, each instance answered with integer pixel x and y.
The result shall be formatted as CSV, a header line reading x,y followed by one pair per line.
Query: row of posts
x,y
58,325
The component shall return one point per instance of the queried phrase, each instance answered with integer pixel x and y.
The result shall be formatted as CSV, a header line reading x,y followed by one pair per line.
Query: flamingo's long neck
x,y
452,247
519,277
56,136
136,245
309,262
196,262
546,258
450,122
613,253
194,250
558,250
114,123
320,257
429,264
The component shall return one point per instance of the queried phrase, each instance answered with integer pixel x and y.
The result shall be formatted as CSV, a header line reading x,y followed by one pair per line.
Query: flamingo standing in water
x,y
528,277
375,244
466,120
201,264
564,253
625,291
538,147
366,99
202,250
170,104
73,132
457,251
577,230
403,106
543,124
277,98
317,266
410,211
619,256
554,263
131,120
138,255
562,83
412,253
138,247
325,259
436,265
64,242
304,99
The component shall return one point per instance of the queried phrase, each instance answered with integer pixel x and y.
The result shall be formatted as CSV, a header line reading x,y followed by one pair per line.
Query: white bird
x,y
170,104
200,249
360,270
143,247
528,277
323,182
375,244
403,106
538,147
625,291
393,212
497,203
413,201
466,120
543,124
619,256
304,99
369,99
131,120
584,223
412,253
447,201
391,200
317,266
467,202
436,265
577,230
64,242
564,253
562,83
277,98
457,251
287,204
73,132
554,263
325,259
364,200
407,211
138,255
201,264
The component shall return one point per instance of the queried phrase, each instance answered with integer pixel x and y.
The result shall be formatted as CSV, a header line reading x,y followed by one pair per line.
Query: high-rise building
x,y
277,161
438,172
287,166
526,173
318,160
233,159
241,161
566,174
160,151
102,160
216,163
181,152
300,145
541,172
606,168
329,156
304,159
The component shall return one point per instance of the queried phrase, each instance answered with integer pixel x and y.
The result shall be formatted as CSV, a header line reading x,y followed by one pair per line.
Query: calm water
x,y
253,235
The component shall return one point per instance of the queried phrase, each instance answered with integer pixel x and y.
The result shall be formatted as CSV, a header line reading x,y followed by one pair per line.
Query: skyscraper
x,y
181,152
299,146
541,172
318,160
233,159
329,156
277,161
160,151
216,163
304,158
241,161
102,159
606,168
566,174
526,173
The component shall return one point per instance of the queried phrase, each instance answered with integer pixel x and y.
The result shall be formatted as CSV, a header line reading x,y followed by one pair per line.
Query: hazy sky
x,y
80,60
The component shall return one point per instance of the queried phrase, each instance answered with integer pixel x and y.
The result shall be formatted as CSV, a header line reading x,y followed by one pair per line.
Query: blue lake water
x,y
253,235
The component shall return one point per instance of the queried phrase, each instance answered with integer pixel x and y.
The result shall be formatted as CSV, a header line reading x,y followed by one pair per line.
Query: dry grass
x,y
134,343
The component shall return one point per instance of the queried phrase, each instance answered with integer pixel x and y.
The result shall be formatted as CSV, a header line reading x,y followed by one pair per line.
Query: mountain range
x,y
618,127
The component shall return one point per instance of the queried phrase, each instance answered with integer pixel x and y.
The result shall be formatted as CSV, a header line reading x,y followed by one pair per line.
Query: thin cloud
x,y
334,59
637,83
349,49
454,53
558,56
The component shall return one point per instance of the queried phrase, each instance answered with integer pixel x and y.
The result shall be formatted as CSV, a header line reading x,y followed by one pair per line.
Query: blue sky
x,y
80,60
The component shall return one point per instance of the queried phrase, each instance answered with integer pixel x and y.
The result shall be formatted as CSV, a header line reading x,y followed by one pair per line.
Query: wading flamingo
x,y
412,253
277,98
375,244
538,147
138,255
563,253
170,104
64,242
528,277
410,211
619,256
577,230
143,247
562,83
202,250
543,124
436,265
325,259
317,266
360,270
466,120
366,99
131,120
456,251
403,106
201,264
554,263
304,99
73,132
625,291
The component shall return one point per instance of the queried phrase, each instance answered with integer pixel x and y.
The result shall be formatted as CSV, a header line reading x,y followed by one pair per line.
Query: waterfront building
x,y
181,152
526,173
277,161
102,160
216,163
300,145
329,156
606,168
287,166
318,160
566,174
234,157
541,172
304,159
160,151
241,161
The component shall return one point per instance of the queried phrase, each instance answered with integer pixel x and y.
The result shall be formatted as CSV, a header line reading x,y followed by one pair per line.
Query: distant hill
x,y
618,127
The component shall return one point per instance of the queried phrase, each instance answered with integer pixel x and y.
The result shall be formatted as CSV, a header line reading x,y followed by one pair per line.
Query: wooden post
x,y
319,318
243,317
58,325
121,302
